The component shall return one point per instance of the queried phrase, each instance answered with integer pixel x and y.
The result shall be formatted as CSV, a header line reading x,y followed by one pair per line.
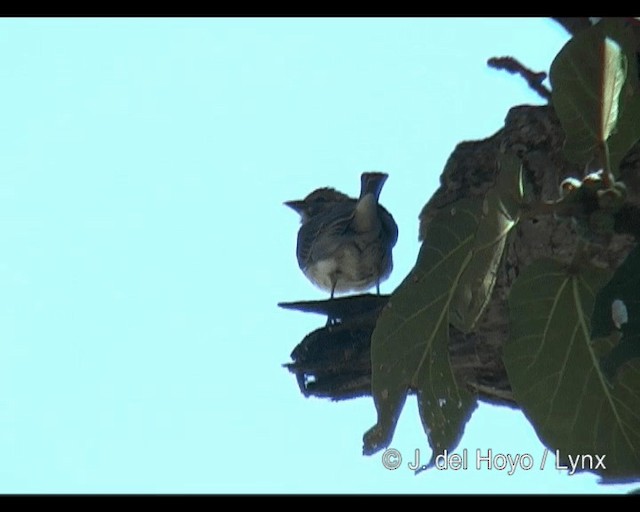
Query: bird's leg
x,y
378,286
331,320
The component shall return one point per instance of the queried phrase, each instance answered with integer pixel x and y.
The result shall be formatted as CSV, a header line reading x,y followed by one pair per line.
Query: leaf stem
x,y
607,177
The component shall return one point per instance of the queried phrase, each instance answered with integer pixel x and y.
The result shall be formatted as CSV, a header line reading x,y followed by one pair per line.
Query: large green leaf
x,y
596,92
554,370
587,77
627,131
619,303
409,347
500,211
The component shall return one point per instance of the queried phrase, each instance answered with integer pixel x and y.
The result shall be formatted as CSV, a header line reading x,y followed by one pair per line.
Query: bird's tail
x,y
371,183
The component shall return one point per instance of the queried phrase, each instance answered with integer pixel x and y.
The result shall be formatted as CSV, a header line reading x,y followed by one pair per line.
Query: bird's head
x,y
316,202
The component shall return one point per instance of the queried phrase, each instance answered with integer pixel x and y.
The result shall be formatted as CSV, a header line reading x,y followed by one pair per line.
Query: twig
x,y
513,66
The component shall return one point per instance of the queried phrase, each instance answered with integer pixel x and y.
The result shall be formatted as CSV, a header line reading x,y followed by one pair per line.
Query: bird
x,y
345,244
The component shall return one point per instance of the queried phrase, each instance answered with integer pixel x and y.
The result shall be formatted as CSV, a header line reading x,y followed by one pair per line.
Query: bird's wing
x,y
389,225
323,233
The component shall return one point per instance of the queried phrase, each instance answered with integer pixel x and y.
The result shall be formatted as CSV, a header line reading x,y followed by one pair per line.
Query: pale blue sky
x,y
145,246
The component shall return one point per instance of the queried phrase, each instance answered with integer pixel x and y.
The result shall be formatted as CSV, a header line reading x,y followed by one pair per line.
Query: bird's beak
x,y
297,205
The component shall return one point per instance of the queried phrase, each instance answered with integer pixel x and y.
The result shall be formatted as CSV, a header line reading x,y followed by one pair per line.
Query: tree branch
x,y
334,361
534,79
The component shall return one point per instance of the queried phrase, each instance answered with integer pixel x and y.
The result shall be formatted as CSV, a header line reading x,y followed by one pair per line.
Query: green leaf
x,y
409,347
623,291
590,63
500,211
627,131
555,374
587,77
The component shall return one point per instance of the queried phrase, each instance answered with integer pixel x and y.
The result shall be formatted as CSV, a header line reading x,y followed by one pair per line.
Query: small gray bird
x,y
345,244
